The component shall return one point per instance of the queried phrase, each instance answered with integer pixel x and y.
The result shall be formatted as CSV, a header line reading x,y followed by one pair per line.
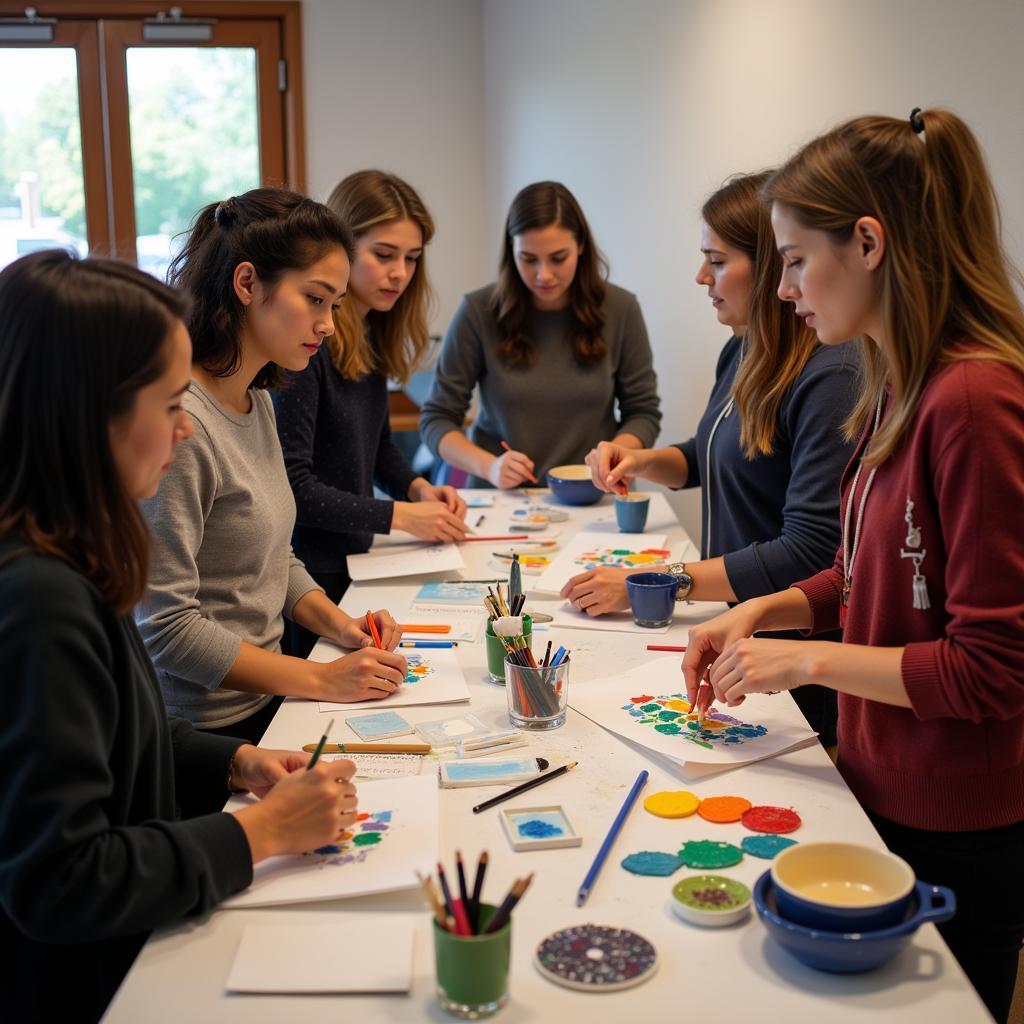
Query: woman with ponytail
x,y
889,229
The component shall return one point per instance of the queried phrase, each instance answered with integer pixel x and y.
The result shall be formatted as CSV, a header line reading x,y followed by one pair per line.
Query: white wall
x,y
643,108
398,85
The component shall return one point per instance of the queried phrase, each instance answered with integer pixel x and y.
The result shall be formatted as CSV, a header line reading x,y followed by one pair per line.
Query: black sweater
x,y
93,851
336,438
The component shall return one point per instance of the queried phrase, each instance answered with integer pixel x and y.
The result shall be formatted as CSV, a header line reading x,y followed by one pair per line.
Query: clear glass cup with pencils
x,y
537,693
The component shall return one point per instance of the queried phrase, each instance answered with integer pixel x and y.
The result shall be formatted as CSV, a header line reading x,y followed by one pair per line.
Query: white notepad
x,y
368,953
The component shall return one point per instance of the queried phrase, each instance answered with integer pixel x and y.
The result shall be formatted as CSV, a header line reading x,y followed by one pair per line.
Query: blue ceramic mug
x,y
652,596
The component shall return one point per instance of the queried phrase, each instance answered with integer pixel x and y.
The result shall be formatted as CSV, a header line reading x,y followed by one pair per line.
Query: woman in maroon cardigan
x,y
889,229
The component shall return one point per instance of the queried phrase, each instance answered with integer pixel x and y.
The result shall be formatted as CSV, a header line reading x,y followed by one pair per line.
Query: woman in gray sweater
x,y
561,356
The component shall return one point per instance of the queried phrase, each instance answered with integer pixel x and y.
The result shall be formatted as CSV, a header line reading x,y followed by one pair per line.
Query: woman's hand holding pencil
x,y
511,469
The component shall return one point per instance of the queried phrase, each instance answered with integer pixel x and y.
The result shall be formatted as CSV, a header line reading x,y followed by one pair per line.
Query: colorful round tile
x,y
765,847
650,862
723,809
677,804
707,853
771,819
595,958
711,901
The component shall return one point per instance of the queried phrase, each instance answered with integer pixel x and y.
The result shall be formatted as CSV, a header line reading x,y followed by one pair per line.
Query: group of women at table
x,y
187,466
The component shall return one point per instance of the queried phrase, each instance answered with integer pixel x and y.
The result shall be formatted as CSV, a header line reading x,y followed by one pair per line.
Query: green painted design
x,y
669,716
707,853
668,728
366,839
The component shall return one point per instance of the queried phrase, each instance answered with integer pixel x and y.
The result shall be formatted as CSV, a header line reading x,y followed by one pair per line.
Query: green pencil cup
x,y
472,971
496,649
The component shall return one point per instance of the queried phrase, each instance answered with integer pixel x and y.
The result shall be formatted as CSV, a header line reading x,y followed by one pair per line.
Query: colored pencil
x,y
371,628
319,748
446,893
435,903
508,904
470,540
602,854
547,656
460,873
430,627
478,523
508,448
428,643
478,885
524,786
370,748
666,647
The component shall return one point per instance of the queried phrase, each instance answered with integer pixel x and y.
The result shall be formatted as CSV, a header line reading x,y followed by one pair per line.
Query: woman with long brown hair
x,y
560,355
889,229
332,418
768,451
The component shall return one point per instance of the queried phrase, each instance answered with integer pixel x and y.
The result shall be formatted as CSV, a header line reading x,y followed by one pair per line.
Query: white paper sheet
x,y
467,623
403,812
604,701
366,953
566,616
566,563
443,682
404,560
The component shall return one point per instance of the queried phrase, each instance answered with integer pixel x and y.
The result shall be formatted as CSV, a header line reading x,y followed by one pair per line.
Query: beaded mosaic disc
x,y
595,958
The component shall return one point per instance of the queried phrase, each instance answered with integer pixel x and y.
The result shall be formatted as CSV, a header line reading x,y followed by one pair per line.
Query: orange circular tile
x,y
723,809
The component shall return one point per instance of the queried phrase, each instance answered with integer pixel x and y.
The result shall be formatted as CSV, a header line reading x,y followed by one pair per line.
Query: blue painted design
x,y
651,862
493,771
537,829
379,725
383,815
765,847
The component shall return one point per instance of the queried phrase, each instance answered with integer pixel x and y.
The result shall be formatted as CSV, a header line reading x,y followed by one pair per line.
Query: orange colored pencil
x,y
371,628
435,627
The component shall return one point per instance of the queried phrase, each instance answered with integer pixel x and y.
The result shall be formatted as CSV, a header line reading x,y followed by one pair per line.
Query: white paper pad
x,y
409,843
444,685
603,700
564,565
569,617
368,953
467,623
404,560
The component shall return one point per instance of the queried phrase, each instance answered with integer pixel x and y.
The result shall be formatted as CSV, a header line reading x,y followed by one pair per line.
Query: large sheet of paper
x,y
590,548
378,950
648,707
396,836
415,559
433,676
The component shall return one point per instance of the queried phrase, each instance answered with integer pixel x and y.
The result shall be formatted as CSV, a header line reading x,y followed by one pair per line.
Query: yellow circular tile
x,y
679,804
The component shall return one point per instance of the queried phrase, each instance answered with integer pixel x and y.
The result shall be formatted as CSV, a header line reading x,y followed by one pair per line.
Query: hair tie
x,y
915,120
226,213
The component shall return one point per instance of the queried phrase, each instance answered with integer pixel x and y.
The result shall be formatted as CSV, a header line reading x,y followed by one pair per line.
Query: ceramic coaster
x,y
678,804
381,725
706,853
723,809
652,863
593,958
765,847
771,819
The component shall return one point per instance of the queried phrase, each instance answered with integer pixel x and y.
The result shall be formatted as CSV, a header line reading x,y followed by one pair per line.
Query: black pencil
x,y
478,885
445,892
524,786
463,892
508,904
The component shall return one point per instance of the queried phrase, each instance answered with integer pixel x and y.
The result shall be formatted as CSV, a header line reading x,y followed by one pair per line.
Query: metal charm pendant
x,y
913,538
920,584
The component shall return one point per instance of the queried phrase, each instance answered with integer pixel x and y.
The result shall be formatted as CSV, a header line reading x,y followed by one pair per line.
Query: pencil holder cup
x,y
496,649
472,970
537,697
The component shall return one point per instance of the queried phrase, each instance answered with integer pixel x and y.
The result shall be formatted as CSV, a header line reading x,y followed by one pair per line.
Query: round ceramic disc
x,y
707,853
594,958
765,847
771,819
652,863
723,809
678,804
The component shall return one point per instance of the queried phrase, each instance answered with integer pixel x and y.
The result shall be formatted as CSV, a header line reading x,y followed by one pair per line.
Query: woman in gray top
x,y
263,271
561,356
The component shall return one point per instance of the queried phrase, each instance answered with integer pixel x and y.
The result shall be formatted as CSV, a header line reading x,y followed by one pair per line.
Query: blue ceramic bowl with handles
x,y
851,952
841,886
572,485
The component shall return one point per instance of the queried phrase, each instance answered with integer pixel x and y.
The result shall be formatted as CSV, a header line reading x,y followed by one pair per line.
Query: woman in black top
x,y
96,843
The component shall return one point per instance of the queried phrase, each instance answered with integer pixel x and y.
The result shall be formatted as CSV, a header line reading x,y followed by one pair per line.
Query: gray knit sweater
x,y
556,410
221,568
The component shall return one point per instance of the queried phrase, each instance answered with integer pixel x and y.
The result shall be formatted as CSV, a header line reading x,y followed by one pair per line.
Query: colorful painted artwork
x,y
622,558
356,843
417,668
670,715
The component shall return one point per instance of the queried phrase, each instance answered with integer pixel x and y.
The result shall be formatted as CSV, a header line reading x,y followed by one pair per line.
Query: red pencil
x,y
511,536
664,647
508,448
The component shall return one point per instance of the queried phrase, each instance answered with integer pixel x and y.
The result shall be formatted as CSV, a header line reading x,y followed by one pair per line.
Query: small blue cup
x,y
631,512
652,596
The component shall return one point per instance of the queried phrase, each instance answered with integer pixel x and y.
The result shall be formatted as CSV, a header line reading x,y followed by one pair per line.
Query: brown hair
x,y
78,340
396,340
543,205
944,278
273,229
779,343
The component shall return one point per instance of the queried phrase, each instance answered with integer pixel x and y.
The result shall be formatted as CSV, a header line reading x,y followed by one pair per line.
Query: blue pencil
x,y
558,655
595,868
428,643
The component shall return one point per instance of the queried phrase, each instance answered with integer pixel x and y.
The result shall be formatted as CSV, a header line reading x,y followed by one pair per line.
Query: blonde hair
x,y
944,279
778,342
395,341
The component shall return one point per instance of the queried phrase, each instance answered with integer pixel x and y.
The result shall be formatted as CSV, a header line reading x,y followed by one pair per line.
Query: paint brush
x,y
435,903
602,854
319,748
460,872
479,522
524,786
478,885
508,448
515,580
508,904
367,748
701,706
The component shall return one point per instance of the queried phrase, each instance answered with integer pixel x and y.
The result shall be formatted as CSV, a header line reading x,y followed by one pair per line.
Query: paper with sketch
x,y
467,623
395,836
389,561
377,957
433,676
648,706
593,548
383,766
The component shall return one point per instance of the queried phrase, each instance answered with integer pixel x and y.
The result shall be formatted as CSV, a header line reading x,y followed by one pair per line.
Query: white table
x,y
731,974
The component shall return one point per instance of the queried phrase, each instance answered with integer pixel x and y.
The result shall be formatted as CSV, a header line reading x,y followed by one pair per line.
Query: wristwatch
x,y
678,569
